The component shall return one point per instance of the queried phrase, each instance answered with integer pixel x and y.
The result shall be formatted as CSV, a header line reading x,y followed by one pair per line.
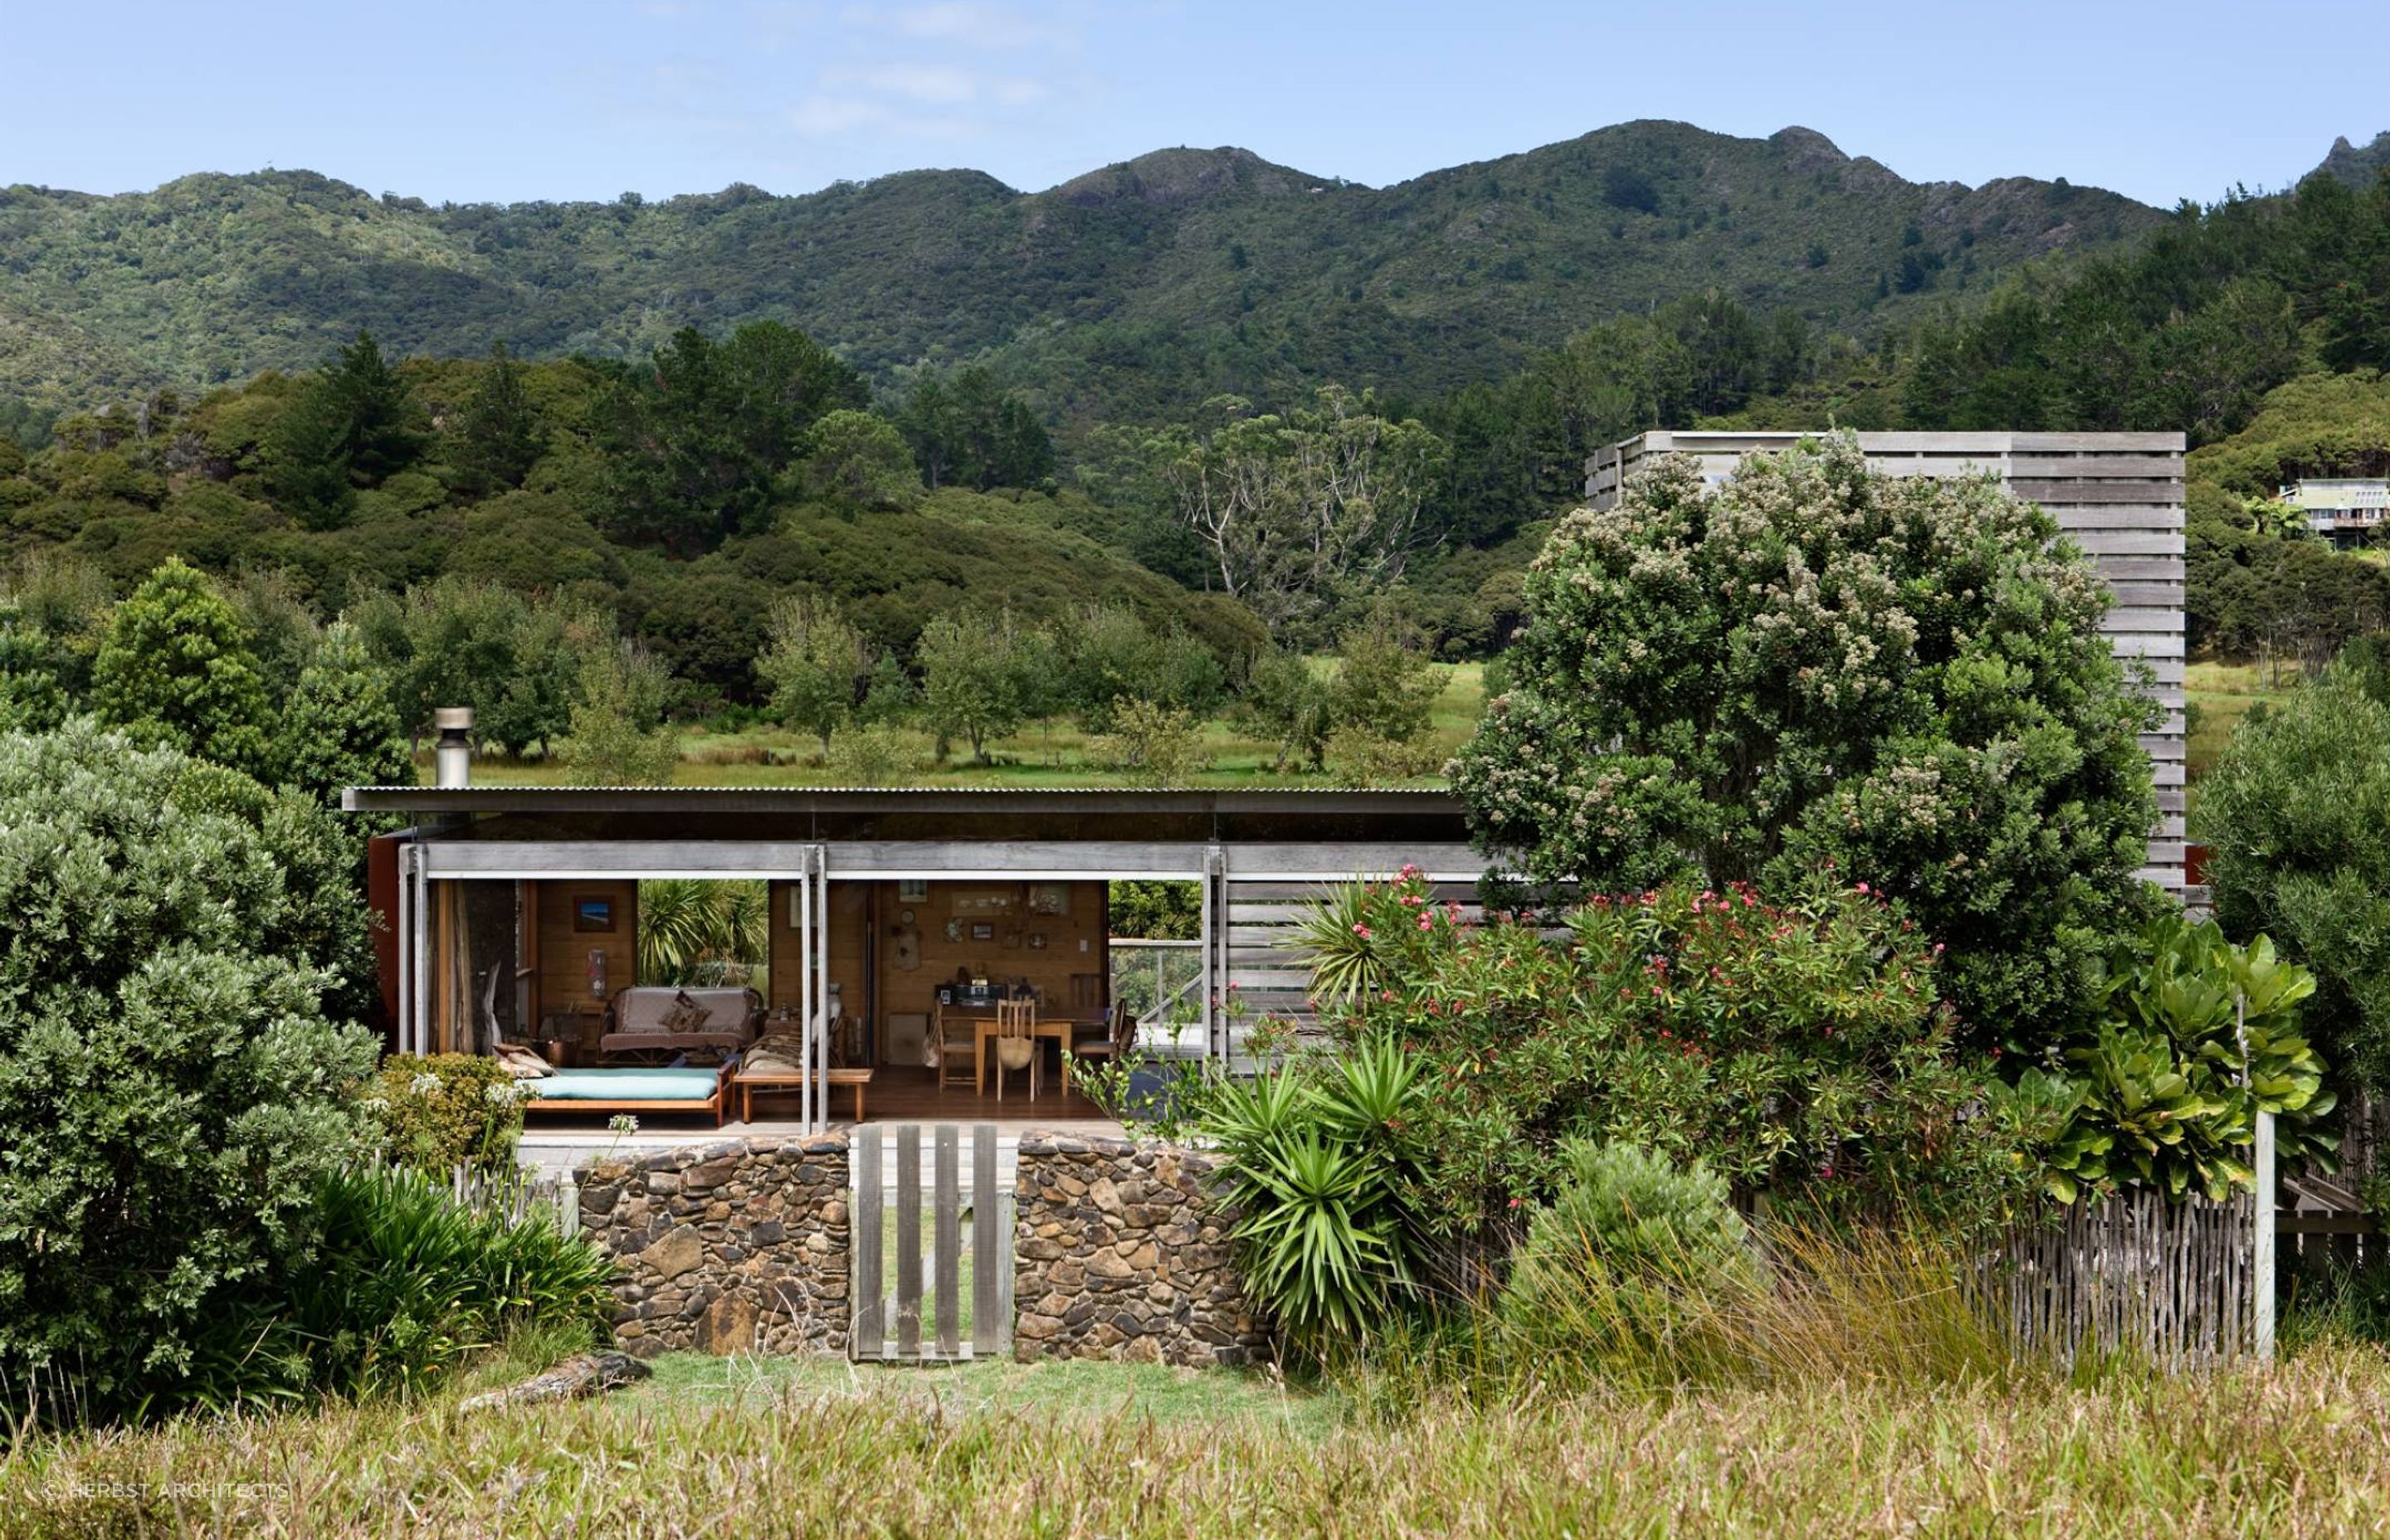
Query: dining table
x,y
1062,1026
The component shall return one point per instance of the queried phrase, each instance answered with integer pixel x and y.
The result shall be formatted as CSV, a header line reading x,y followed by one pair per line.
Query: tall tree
x,y
1298,509
176,669
352,424
816,668
966,430
498,435
338,728
1815,666
699,434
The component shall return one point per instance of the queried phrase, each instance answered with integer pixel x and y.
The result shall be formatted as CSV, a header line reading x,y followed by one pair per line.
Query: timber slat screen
x,y
2134,1274
1270,976
2118,495
876,1208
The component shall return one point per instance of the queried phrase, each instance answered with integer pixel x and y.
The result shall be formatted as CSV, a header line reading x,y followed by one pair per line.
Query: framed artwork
x,y
983,901
912,889
1049,898
983,931
591,913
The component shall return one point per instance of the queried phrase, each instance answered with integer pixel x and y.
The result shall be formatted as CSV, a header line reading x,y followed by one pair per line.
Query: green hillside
x,y
1139,289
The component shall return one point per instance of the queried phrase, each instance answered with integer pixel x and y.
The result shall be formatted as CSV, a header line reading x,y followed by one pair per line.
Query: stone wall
x,y
735,1247
1121,1251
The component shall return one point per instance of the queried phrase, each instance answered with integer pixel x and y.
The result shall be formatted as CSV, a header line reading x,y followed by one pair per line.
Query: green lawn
x,y
1050,753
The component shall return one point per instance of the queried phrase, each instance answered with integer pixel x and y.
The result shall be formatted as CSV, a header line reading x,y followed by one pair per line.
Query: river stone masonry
x,y
1122,1251
739,1246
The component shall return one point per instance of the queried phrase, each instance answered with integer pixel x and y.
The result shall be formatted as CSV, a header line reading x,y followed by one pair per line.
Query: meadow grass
x,y
817,1448
1048,753
2224,693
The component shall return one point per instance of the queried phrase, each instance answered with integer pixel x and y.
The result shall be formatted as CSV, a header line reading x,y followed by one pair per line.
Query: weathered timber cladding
x,y
2119,495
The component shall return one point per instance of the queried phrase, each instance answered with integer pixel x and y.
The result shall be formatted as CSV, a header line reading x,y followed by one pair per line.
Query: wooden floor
x,y
911,1095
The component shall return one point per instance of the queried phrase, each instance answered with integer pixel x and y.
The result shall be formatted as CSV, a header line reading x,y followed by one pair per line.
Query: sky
x,y
519,99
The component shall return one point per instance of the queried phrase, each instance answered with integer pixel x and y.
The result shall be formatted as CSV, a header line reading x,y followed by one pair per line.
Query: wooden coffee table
x,y
752,1080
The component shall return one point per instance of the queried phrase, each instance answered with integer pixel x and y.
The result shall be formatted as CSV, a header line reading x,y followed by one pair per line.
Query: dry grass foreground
x,y
1097,1450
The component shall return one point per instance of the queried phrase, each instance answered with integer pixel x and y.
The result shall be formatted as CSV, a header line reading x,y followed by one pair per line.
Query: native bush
x,y
2199,1037
1798,1047
171,1090
438,1111
1623,1256
2297,817
403,1289
1814,665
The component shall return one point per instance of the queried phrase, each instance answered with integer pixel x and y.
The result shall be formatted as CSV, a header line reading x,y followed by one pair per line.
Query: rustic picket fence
x,y
516,1194
2185,1285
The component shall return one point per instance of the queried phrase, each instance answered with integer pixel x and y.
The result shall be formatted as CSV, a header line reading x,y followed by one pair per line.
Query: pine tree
x,y
176,669
338,729
498,436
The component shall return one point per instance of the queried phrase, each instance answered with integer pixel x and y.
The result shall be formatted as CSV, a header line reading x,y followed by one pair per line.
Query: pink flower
x,y
1427,922
1362,932
1863,887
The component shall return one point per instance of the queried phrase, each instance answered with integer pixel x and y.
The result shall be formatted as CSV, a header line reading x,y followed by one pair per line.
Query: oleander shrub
x,y
438,1111
1797,1046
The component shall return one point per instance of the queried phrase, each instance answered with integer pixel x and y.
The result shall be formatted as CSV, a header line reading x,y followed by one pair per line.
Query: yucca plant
x,y
1316,1165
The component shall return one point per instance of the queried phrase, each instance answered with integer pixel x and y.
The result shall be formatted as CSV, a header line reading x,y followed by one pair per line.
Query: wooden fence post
x,y
2261,1243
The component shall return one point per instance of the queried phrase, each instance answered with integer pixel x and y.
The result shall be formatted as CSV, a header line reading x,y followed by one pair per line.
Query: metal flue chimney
x,y
453,756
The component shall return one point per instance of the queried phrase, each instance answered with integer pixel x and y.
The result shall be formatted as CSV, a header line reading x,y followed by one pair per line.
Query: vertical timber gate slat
x,y
880,1206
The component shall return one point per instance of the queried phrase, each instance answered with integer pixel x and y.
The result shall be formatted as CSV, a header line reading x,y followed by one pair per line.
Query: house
x,y
2119,495
2343,509
512,911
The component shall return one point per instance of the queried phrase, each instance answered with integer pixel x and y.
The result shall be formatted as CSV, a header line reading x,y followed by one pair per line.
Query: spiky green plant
x,y
694,932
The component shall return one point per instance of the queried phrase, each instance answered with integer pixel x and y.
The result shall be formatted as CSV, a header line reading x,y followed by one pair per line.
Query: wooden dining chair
x,y
1113,1043
1016,1043
957,1052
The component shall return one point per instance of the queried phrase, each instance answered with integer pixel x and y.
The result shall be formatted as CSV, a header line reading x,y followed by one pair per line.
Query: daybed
x,y
641,1019
632,1090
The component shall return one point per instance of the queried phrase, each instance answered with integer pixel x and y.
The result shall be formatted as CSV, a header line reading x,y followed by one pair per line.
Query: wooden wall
x,y
562,960
2118,495
864,918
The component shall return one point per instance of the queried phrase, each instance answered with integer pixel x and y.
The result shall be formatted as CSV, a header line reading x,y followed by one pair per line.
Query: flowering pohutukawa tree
x,y
1800,1049
1814,667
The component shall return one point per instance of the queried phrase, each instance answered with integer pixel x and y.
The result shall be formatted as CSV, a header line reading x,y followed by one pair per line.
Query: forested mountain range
x,y
1130,292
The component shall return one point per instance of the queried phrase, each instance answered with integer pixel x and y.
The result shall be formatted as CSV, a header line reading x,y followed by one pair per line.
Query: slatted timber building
x,y
2119,495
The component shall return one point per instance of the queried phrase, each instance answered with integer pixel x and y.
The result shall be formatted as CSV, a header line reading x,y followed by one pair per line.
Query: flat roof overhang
x,y
516,830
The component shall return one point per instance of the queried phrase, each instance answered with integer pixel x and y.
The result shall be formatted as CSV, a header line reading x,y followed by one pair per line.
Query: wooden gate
x,y
967,1288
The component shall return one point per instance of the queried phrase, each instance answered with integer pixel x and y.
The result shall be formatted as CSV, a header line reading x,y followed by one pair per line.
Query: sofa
x,y
640,1020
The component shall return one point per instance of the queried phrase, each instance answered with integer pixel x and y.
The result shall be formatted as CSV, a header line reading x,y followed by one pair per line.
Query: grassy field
x,y
2223,694
816,1449
1048,753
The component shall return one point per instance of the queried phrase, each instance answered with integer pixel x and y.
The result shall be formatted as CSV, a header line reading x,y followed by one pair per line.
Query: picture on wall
x,y
983,931
984,901
1049,898
591,913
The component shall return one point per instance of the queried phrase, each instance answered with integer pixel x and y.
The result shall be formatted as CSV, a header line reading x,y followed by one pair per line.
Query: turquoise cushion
x,y
627,1086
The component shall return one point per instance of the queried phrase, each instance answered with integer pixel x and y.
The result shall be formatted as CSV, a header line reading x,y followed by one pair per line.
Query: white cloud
x,y
978,25
822,117
924,82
